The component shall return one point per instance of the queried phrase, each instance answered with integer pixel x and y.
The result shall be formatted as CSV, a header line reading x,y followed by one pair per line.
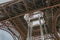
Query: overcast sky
x,y
3,1
5,35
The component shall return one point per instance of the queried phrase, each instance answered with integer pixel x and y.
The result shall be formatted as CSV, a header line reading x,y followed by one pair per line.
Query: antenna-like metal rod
x,y
28,30
29,34
41,30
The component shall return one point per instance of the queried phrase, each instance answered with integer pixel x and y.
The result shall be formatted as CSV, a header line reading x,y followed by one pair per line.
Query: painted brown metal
x,y
52,24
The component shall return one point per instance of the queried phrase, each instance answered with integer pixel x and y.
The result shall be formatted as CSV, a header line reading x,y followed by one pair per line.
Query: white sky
x,y
3,1
5,35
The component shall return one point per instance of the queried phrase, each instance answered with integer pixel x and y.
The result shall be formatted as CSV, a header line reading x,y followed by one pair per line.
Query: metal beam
x,y
22,14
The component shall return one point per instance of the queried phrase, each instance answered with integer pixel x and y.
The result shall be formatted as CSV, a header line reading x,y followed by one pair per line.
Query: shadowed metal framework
x,y
15,11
